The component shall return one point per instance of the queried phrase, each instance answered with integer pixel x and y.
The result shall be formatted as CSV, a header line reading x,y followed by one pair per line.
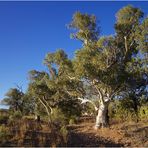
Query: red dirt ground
x,y
117,135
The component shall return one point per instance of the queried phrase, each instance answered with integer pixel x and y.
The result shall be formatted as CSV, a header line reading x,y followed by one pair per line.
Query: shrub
x,y
73,120
58,117
123,111
143,112
16,115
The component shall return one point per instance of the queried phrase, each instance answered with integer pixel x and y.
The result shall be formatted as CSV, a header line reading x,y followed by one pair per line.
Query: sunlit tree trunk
x,y
102,117
37,117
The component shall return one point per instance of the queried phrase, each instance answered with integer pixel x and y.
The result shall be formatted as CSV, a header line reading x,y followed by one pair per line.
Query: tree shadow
x,y
36,139
89,140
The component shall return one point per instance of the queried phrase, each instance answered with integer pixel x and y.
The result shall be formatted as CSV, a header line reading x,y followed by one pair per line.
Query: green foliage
x,y
70,107
143,112
123,110
58,117
86,28
129,15
142,36
15,115
128,20
72,121
18,101
50,88
112,66
123,114
13,99
28,104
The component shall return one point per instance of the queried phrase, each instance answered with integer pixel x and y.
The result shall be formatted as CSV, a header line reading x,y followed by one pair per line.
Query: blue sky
x,y
29,30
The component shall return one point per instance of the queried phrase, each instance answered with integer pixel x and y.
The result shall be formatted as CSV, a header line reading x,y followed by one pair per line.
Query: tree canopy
x,y
104,67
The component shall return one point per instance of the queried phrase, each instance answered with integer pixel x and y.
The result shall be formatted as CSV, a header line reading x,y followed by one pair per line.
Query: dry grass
x,y
28,133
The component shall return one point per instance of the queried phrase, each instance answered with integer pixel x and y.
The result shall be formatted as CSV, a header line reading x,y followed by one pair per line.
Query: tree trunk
x,y
107,117
135,106
102,117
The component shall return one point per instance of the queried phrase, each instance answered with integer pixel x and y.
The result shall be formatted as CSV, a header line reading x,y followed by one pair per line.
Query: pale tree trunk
x,y
101,118
47,107
37,117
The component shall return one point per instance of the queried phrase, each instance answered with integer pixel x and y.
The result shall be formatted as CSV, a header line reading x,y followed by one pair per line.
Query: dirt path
x,y
115,136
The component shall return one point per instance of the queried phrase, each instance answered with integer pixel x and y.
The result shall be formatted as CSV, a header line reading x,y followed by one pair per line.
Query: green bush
x,y
59,117
73,120
122,110
143,112
16,115
70,107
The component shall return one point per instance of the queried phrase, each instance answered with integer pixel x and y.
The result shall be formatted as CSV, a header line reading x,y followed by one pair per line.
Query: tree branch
x,y
45,106
100,94
116,90
125,39
87,100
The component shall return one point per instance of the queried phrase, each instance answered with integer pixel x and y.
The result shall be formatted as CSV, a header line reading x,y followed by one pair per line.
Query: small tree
x,y
14,99
18,101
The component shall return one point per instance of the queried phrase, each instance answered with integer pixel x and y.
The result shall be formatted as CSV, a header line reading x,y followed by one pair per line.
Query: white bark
x,y
125,39
47,110
104,99
87,100
101,116
47,107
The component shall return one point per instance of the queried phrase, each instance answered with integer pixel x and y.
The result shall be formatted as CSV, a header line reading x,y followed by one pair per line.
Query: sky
x,y
29,30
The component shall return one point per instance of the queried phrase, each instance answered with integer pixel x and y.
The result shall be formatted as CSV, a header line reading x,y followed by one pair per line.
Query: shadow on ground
x,y
80,139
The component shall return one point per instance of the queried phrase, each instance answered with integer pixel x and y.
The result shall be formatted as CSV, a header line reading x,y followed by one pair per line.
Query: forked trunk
x,y
102,116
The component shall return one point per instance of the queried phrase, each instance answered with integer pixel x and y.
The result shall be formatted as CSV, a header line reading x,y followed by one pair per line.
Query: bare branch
x,y
20,87
100,94
116,90
70,94
45,106
72,78
87,100
125,39
109,66
48,104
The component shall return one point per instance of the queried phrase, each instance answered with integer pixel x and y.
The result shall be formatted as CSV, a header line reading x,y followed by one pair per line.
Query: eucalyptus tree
x,y
50,88
19,101
14,99
38,90
109,63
